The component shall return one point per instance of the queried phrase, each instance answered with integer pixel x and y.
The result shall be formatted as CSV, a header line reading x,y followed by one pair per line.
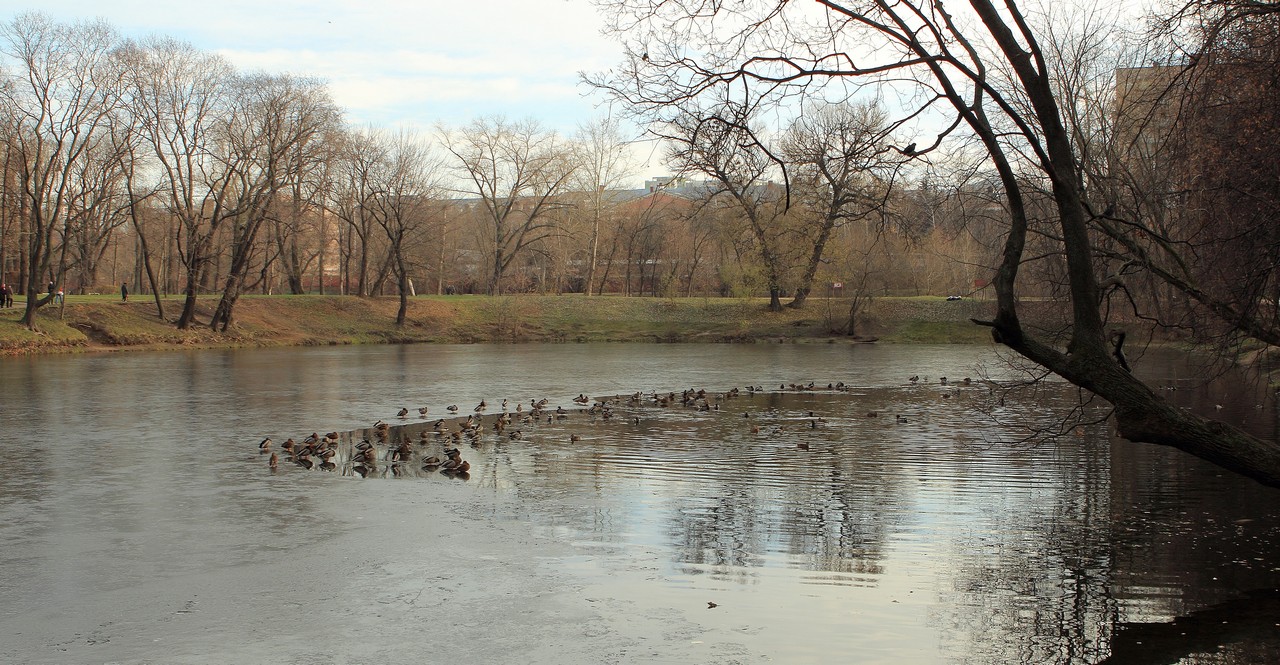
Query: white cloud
x,y
395,59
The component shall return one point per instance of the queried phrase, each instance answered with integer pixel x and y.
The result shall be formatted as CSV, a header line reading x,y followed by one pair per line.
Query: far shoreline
x,y
102,323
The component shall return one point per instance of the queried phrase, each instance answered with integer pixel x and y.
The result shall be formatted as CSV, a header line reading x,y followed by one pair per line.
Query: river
x,y
882,520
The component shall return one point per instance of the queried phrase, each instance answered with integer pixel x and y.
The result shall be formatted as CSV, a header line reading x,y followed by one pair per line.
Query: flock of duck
x,y
393,449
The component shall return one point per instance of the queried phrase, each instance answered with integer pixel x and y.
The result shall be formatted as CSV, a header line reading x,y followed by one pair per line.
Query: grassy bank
x,y
102,322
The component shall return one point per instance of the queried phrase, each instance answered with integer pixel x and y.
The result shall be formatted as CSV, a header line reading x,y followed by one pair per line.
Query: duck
x,y
264,445
516,435
304,461
914,379
287,446
574,438
480,407
403,413
943,380
582,398
311,439
802,446
452,408
900,418
274,461
422,412
431,463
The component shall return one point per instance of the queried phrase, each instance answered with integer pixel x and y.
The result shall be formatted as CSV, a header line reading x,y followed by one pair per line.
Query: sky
x,y
394,63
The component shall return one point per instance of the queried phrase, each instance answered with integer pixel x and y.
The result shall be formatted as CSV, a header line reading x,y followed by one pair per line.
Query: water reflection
x,y
891,519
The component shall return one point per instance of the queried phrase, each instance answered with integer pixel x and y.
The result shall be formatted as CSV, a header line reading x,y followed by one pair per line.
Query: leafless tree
x,y
518,172
842,173
407,199
986,69
182,97
721,144
272,138
600,157
59,101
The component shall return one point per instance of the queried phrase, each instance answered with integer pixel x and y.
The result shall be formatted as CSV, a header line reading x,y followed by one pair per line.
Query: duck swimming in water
x,y
403,413
265,445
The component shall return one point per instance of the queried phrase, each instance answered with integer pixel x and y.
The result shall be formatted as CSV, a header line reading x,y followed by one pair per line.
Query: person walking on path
x,y
124,292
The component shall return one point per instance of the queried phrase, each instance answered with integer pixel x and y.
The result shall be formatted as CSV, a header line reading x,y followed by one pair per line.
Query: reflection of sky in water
x,y
941,538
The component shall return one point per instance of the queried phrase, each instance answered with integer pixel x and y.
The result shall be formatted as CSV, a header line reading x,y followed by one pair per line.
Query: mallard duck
x,y
574,438
480,407
582,398
264,445
403,413
452,408
304,461
287,446
274,461
314,438
504,405
431,463
422,412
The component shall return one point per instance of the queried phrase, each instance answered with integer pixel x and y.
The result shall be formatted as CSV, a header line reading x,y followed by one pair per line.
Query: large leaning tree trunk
x,y
986,68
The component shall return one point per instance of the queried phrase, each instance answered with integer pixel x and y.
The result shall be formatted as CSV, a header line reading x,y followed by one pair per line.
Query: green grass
x,y
104,322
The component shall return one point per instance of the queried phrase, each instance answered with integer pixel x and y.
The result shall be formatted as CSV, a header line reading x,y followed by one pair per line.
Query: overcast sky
x,y
388,62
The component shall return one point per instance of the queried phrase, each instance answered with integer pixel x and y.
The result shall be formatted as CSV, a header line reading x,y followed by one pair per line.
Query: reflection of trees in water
x,y
1052,546
1034,585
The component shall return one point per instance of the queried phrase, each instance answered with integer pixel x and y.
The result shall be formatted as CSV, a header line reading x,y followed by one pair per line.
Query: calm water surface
x,y
890,522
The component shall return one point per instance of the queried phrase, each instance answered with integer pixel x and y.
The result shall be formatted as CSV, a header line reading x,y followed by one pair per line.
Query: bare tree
x,y
405,201
518,171
842,173
181,98
952,63
600,158
721,144
278,126
60,102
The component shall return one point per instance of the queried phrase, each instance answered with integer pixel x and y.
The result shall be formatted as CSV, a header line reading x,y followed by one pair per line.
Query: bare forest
x,y
154,165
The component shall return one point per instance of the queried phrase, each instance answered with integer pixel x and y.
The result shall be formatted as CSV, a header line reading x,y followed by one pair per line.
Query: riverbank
x,y
95,323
